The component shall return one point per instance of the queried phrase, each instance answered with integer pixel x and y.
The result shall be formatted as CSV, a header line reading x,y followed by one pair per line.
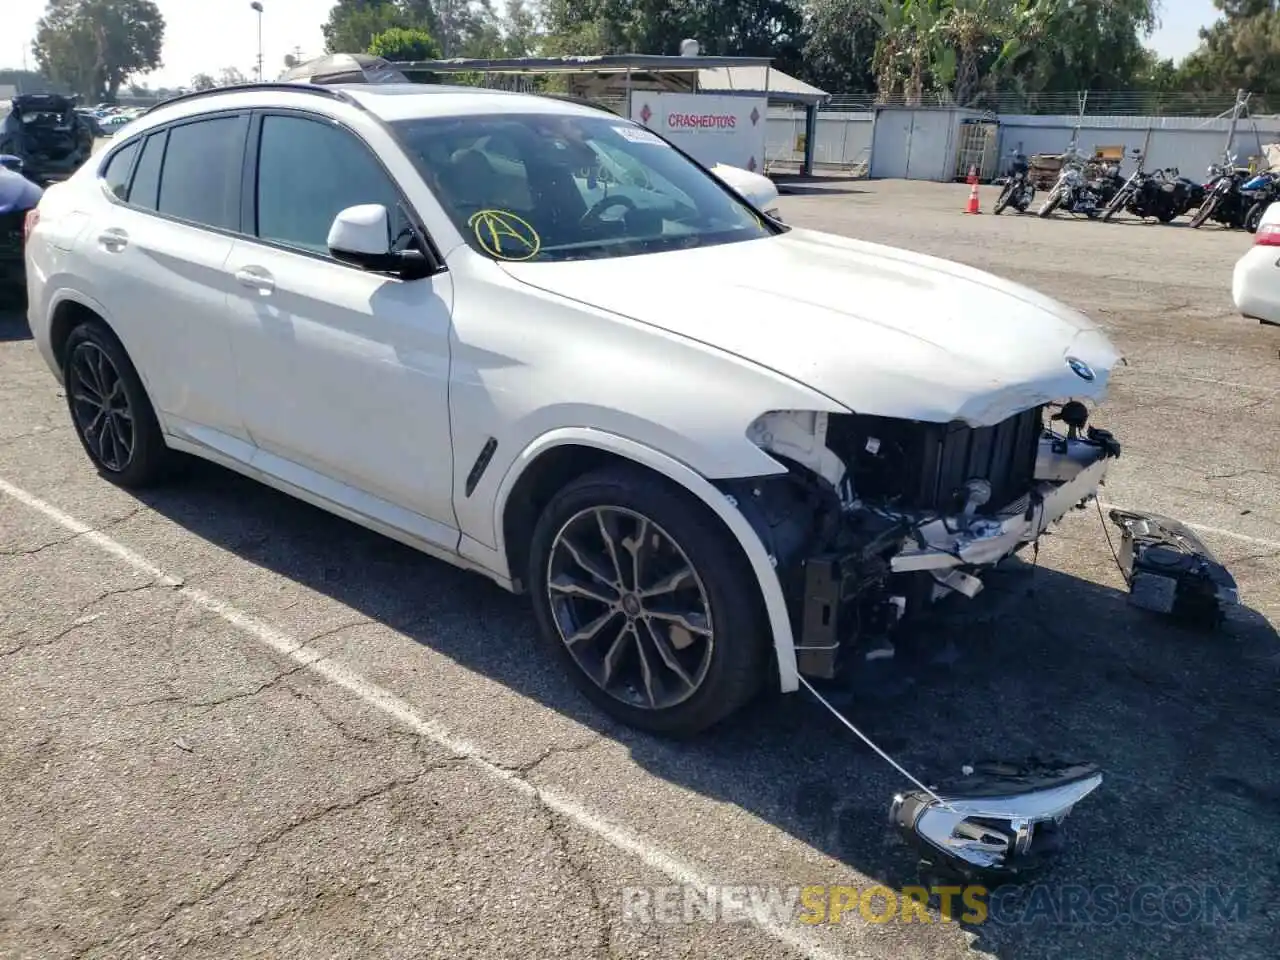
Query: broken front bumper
x,y
845,602
1068,474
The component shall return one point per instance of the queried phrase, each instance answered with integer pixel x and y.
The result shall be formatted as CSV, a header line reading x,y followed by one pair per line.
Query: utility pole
x,y
257,7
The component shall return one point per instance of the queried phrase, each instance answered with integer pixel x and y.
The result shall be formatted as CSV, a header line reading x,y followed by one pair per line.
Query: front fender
x,y
700,487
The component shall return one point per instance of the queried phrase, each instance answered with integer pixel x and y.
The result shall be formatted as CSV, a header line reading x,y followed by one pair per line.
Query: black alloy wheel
x,y
630,608
100,406
648,601
110,410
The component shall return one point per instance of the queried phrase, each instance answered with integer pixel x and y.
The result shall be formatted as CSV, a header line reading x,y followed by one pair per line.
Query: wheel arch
x,y
558,457
68,308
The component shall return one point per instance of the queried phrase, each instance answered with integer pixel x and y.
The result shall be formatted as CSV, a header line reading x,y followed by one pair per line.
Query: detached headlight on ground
x,y
1001,823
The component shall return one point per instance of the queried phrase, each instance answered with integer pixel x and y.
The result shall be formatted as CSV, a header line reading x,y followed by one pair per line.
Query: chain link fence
x,y
1098,103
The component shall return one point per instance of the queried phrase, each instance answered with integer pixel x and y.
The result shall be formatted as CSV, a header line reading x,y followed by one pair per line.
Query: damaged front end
x,y
877,518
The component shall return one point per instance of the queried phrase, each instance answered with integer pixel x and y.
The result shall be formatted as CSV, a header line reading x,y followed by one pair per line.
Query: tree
x,y
963,50
353,24
402,43
202,81
230,77
95,46
840,44
519,27
1240,51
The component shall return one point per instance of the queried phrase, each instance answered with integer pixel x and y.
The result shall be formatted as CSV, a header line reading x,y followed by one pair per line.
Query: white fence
x,y
845,139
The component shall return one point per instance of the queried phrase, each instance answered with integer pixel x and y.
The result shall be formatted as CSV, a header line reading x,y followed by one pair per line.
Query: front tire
x,y
1050,204
1204,213
1117,202
110,410
1253,219
648,602
1006,195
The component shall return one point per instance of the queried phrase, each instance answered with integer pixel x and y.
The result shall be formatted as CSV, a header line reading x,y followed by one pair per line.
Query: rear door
x,y
156,255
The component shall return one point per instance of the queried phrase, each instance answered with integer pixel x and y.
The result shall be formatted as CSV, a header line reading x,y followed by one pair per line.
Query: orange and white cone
x,y
973,205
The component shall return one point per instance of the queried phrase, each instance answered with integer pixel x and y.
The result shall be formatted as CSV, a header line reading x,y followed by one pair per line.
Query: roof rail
x,y
292,86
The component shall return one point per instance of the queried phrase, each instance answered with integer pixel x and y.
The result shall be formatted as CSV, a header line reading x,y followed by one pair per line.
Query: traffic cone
x,y
973,205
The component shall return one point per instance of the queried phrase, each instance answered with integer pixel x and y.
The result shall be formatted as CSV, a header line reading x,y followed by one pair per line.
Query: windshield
x,y
547,187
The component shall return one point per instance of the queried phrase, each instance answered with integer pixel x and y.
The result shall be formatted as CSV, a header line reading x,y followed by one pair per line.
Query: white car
x,y
1255,283
718,453
754,187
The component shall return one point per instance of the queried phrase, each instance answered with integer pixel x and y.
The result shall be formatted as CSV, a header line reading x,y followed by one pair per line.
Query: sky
x,y
203,36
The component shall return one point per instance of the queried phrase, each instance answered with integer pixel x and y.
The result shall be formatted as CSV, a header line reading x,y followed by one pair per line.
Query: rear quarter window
x,y
200,181
119,166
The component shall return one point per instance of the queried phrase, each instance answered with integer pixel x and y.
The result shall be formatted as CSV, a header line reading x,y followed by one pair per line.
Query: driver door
x,y
343,373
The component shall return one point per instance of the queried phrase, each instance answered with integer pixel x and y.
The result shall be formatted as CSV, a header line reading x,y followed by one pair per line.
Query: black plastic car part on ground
x,y
47,133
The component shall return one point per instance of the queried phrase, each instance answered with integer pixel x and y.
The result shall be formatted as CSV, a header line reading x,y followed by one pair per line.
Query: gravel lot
x,y
238,727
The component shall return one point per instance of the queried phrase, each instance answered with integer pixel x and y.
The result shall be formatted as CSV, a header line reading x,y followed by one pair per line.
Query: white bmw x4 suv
x,y
538,341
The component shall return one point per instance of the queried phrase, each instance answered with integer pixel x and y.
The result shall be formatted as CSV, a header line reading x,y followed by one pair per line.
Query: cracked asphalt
x,y
238,727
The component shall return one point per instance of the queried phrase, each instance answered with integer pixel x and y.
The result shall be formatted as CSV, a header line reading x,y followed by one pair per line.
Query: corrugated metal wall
x,y
844,140
1188,143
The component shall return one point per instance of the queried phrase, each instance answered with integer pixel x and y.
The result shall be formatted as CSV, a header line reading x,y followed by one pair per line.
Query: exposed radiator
x,y
924,466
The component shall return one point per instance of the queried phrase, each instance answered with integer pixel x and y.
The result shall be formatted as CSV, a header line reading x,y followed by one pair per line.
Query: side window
x,y
146,179
201,178
308,172
118,169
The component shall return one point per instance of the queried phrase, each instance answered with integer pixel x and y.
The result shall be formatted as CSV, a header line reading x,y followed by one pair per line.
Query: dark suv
x,y
44,130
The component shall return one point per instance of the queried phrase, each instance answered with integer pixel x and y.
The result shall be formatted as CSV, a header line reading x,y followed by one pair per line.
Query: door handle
x,y
113,240
256,279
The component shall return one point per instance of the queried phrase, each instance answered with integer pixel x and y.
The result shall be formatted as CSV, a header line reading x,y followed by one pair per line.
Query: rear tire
x,y
675,658
110,410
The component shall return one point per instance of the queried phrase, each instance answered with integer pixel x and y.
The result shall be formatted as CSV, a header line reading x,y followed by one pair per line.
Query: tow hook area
x,y
1001,823
1169,569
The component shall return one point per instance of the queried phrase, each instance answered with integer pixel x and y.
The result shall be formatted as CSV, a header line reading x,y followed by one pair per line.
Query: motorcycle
x,y
1224,203
1071,192
1081,188
1105,184
1018,190
1161,195
1259,193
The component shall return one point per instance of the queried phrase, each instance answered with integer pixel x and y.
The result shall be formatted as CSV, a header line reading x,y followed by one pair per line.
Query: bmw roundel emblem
x,y
1081,369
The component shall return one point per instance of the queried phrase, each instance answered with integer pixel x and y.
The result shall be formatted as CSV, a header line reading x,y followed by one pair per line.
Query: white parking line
x,y
1217,531
403,712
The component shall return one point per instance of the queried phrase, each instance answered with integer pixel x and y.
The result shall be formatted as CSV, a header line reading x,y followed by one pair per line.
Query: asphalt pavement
x,y
239,727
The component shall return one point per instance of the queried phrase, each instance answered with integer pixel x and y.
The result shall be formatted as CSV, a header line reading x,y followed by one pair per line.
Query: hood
x,y
882,331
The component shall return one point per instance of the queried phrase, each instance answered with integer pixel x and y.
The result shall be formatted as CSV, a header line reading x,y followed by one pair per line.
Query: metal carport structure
x,y
615,77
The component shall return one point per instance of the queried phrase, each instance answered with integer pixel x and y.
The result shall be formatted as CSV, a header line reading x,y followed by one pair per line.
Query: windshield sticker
x,y
504,235
639,135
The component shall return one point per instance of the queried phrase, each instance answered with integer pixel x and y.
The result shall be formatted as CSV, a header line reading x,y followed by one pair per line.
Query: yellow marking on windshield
x,y
504,235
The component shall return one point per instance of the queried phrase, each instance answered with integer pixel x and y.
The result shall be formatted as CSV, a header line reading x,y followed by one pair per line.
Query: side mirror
x,y
10,162
361,236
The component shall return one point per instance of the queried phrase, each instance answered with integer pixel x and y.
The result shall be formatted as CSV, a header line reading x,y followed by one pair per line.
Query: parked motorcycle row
x,y
1234,197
